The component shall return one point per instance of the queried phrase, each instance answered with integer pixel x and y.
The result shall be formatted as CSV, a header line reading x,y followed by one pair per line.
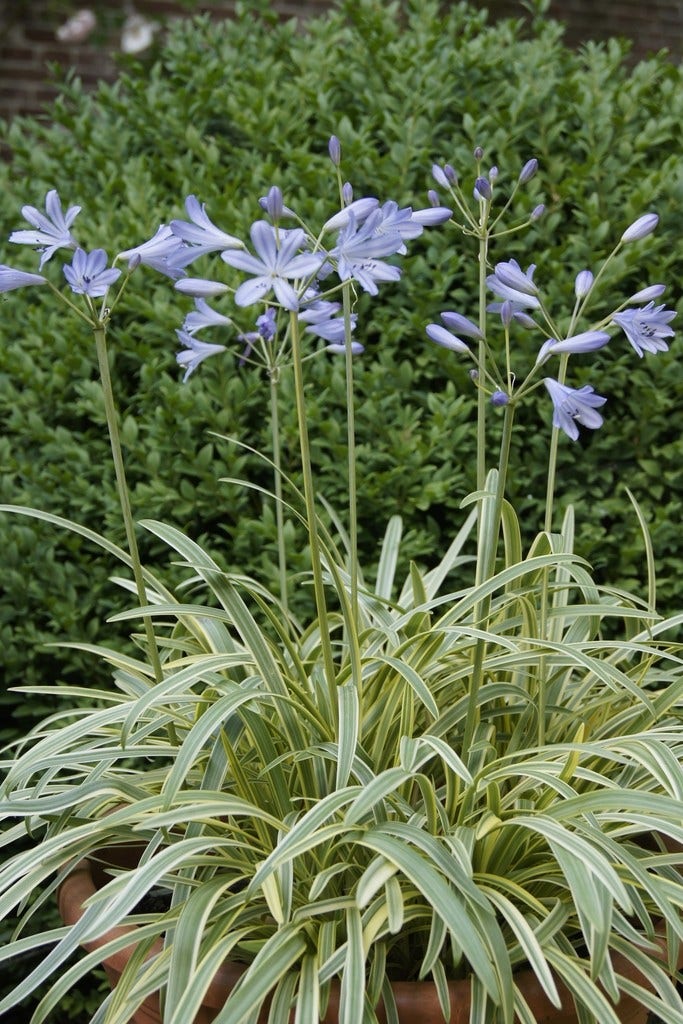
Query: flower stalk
x,y
111,414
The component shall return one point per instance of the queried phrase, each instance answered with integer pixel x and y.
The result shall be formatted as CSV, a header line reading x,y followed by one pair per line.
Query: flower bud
x,y
439,176
537,211
450,174
493,174
200,288
347,193
482,189
648,294
478,153
583,284
506,311
274,205
499,398
641,228
334,149
433,197
528,171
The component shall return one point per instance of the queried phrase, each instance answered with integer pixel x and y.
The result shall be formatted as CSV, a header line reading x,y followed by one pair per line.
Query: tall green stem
x,y
277,481
311,517
552,457
489,530
122,488
481,362
351,454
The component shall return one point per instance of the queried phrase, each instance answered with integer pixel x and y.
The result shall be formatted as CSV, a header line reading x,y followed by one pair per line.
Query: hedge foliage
x,y
228,110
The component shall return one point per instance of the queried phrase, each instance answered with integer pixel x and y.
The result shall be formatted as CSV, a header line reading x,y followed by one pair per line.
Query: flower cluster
x,y
518,300
300,272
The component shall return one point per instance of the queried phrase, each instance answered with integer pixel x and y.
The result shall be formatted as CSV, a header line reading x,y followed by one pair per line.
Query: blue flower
x,y
266,324
322,321
573,406
589,341
200,287
444,338
52,230
11,279
646,327
358,250
640,228
458,322
195,352
164,252
204,316
87,273
360,209
508,281
201,233
279,261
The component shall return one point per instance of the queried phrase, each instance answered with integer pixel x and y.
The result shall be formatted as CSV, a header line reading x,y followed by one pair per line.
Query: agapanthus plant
x,y
409,783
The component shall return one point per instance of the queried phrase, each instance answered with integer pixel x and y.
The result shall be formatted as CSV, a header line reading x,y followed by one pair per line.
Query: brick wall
x,y
28,43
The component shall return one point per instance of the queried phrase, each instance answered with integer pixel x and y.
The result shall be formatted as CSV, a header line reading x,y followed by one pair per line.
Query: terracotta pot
x,y
416,1001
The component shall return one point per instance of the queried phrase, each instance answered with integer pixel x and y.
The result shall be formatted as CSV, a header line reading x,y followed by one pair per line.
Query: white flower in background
x,y
137,34
78,27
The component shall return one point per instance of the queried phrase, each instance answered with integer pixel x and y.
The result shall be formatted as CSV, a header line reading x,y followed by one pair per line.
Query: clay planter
x,y
416,1001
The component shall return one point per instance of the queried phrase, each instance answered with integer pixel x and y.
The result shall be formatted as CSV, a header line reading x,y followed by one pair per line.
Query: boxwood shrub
x,y
229,109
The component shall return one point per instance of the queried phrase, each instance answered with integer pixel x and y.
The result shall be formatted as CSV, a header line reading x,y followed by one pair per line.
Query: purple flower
x,y
322,321
358,248
11,279
461,324
200,287
571,406
164,252
439,176
646,327
278,262
432,216
200,232
359,209
443,337
589,341
499,398
583,284
640,228
266,324
52,231
334,149
508,281
194,353
87,273
528,171
645,294
482,190
204,316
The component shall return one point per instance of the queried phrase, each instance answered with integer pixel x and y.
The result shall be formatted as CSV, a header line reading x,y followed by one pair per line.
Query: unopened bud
x,y
334,149
537,212
482,189
641,228
528,171
499,398
478,153
583,284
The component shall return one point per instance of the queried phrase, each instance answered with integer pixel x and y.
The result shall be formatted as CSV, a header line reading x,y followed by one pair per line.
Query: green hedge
x,y
231,108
